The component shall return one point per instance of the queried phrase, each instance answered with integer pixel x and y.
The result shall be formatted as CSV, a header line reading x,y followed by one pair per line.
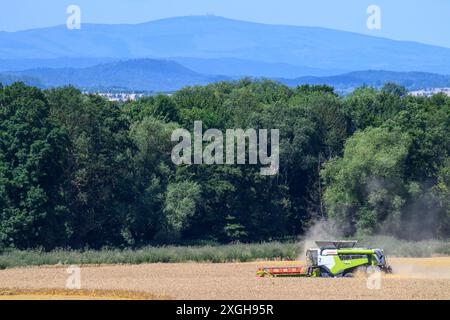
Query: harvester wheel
x,y
362,269
348,275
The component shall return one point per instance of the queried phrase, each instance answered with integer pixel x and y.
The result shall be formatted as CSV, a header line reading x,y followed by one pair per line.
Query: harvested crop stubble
x,y
63,294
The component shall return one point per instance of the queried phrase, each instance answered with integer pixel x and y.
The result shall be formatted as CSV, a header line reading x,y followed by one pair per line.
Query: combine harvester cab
x,y
333,259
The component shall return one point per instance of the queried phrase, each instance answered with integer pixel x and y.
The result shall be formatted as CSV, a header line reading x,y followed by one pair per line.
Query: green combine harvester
x,y
332,259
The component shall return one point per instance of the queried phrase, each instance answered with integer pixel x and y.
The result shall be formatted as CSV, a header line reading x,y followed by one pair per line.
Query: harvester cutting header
x,y
332,259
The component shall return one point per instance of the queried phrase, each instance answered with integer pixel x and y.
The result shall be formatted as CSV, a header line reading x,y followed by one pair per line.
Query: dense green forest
x,y
78,171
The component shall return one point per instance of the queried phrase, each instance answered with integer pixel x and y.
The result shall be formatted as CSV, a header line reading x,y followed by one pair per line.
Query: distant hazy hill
x,y
349,81
165,75
24,64
215,37
239,67
232,67
143,74
7,79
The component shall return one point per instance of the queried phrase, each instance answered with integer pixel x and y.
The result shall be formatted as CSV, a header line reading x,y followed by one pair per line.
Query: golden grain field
x,y
413,278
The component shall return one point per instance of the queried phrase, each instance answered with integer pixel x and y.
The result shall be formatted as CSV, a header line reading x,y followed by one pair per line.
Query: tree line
x,y
78,171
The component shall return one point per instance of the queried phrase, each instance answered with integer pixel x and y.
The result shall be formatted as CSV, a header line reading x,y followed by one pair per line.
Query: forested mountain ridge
x,y
142,74
375,78
211,37
153,75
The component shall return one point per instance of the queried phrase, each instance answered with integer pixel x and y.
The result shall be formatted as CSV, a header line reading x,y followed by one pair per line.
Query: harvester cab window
x,y
312,256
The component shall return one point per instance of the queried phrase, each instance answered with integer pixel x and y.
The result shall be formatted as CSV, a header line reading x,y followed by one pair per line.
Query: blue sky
x,y
416,20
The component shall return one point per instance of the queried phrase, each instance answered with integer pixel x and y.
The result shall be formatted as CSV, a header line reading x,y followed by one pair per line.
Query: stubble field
x,y
413,278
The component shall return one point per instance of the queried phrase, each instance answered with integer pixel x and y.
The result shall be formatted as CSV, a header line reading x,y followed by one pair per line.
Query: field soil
x,y
413,278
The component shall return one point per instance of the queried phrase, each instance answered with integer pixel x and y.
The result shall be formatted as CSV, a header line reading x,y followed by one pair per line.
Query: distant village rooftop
x,y
430,92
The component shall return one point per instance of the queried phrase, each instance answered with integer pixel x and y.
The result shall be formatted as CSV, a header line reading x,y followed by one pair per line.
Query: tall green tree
x,y
366,186
32,150
97,186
